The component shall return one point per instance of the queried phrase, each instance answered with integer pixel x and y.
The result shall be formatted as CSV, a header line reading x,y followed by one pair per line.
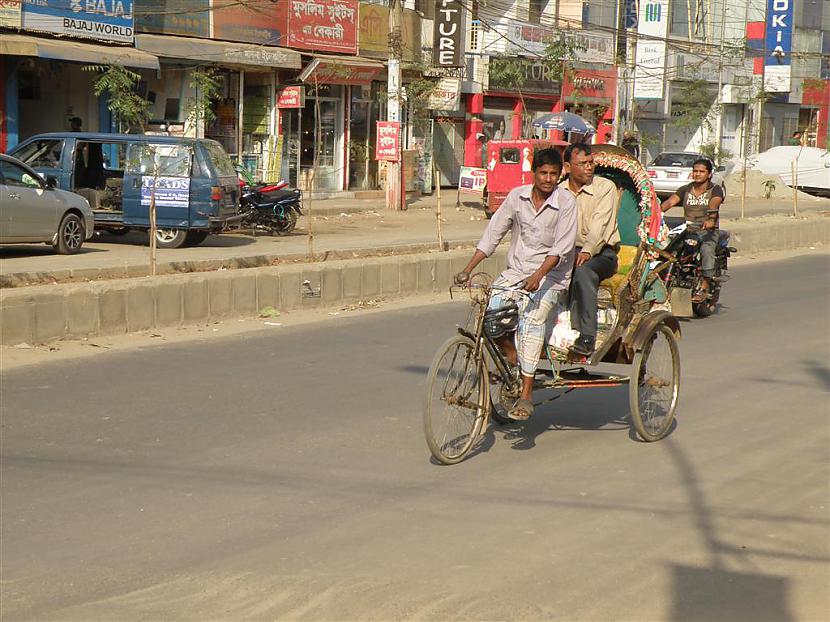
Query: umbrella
x,y
564,122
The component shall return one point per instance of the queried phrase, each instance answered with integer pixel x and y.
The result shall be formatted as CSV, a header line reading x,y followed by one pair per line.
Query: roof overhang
x,y
65,49
341,70
243,55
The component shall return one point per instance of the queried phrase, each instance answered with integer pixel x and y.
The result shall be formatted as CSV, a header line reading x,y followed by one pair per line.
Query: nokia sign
x,y
448,37
779,44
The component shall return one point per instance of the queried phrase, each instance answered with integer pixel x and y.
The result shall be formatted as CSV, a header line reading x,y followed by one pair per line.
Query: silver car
x,y
672,169
33,211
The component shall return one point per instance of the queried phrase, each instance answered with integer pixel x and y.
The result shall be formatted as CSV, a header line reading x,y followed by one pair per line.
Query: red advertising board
x,y
323,25
253,21
291,97
388,144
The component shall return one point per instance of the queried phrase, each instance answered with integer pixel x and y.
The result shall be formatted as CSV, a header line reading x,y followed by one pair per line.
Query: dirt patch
x,y
756,186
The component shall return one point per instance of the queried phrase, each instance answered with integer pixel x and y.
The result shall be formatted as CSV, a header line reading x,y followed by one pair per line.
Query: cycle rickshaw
x,y
470,382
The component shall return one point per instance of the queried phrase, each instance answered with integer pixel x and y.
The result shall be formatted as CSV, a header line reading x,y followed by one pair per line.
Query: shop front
x,y
591,93
244,114
505,112
44,84
332,121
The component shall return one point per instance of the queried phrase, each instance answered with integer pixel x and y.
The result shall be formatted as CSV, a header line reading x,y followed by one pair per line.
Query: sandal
x,y
521,411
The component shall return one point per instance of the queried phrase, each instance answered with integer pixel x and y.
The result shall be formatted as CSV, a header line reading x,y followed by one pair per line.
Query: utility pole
x,y
394,192
719,130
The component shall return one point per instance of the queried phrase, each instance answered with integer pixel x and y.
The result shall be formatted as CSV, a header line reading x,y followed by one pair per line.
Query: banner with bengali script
x,y
323,25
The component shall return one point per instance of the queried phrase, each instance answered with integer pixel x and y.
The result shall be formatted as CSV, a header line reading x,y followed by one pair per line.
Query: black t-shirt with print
x,y
695,207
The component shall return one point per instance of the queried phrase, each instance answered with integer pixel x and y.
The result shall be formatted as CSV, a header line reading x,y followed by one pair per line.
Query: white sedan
x,y
672,169
33,211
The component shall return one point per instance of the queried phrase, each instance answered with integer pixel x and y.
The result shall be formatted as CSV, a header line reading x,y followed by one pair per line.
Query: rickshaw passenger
x,y
597,242
542,219
701,202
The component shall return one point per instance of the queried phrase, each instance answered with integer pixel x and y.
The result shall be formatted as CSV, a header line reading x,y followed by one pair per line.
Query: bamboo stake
x,y
794,170
153,227
437,183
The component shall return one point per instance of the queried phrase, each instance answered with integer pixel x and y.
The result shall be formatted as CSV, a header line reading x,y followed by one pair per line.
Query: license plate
x,y
672,175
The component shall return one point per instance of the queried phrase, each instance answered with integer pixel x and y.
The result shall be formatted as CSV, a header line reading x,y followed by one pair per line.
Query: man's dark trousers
x,y
584,285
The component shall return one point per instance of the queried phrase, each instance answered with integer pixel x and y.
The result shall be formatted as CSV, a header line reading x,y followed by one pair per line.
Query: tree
x,y
130,110
694,107
511,73
207,84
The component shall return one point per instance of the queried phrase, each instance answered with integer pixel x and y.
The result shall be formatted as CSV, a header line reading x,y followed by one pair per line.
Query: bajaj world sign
x,y
448,38
105,20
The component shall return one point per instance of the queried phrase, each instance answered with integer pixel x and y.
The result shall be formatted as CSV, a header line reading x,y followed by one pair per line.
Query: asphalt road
x,y
285,476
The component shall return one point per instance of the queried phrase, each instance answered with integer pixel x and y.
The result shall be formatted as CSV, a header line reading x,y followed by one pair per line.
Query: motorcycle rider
x,y
701,201
542,219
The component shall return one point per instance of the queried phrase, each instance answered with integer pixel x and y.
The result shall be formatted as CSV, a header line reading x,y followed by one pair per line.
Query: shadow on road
x,y
25,250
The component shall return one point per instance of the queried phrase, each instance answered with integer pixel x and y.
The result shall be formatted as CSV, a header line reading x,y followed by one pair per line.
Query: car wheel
x,y
71,235
170,238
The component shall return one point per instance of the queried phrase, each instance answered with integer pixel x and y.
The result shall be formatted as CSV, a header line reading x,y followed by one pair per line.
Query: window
x,y
164,160
510,155
220,160
41,153
14,175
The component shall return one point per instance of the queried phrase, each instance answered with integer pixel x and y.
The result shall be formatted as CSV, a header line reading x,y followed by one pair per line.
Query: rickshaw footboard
x,y
577,379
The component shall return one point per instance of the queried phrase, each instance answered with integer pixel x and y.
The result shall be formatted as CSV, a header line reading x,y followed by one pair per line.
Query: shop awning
x,y
341,70
63,49
220,52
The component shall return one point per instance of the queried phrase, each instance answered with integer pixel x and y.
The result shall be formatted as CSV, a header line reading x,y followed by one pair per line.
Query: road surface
x,y
284,475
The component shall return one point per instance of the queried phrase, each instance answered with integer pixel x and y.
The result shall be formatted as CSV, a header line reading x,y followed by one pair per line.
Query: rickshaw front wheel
x,y
456,401
655,384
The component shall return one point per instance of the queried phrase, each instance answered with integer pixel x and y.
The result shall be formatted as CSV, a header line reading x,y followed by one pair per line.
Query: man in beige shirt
x,y
597,242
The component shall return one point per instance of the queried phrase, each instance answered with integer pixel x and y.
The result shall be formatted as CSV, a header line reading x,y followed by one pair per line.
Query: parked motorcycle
x,y
688,297
272,210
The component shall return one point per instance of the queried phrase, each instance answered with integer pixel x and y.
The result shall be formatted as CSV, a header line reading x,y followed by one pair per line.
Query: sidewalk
x,y
342,228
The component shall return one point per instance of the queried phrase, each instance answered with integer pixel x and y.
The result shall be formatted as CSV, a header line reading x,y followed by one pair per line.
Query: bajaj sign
x,y
448,37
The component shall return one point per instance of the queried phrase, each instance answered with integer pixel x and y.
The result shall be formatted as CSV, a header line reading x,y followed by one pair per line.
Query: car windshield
x,y
684,160
220,160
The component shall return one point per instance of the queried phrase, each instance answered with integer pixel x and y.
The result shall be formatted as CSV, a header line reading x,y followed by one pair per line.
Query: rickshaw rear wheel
x,y
456,401
655,384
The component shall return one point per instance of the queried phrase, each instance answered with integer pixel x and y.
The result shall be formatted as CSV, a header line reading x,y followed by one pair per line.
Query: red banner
x,y
291,97
323,25
388,144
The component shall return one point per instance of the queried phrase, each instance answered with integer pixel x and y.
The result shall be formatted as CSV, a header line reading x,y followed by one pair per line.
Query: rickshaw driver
x,y
701,202
597,242
542,220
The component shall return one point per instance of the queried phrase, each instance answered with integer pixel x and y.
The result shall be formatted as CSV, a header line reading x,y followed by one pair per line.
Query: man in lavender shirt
x,y
543,223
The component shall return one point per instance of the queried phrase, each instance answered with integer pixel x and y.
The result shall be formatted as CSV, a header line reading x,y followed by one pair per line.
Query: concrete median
x,y
69,311
40,314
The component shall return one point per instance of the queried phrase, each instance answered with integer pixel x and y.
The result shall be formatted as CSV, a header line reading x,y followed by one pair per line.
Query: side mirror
x,y
720,169
51,182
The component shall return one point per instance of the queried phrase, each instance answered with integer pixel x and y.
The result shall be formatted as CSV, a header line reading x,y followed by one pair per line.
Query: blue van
x,y
192,181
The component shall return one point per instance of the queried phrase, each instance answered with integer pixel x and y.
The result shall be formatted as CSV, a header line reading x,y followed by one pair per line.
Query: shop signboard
x,y
323,25
538,78
186,18
388,143
472,179
170,191
446,95
104,20
448,33
253,21
291,97
533,39
650,72
374,31
10,13
779,45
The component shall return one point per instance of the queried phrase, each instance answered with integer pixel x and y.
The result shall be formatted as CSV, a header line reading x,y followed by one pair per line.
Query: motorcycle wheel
x,y
284,226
